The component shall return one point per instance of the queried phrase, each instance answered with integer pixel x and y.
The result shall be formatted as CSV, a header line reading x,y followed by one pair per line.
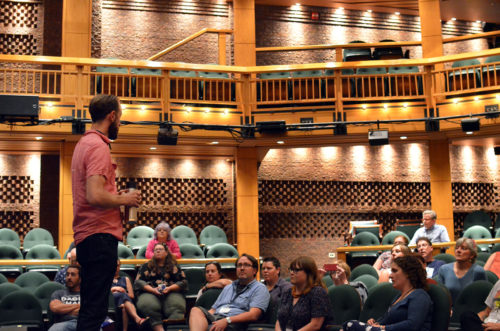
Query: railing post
x,y
244,94
339,104
429,89
79,90
165,95
222,48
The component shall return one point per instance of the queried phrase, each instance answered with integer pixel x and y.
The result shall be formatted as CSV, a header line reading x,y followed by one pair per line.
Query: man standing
x,y
239,303
65,304
277,286
97,224
435,232
424,247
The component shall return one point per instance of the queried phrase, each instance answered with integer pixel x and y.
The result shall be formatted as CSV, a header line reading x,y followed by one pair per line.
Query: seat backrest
x,y
345,302
20,308
471,298
477,217
9,237
145,71
31,280
441,300
403,70
367,279
371,71
195,278
465,63
389,238
327,280
8,252
216,75
478,232
37,236
208,298
190,251
492,59
44,292
184,235
307,73
43,252
483,256
7,288
492,277
363,269
222,250
139,236
212,234
125,253
378,301
448,258
365,239
183,73
274,75
141,253
3,279
355,54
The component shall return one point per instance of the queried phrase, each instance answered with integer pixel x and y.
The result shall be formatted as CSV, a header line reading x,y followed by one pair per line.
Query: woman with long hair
x,y
161,284
412,310
306,305
162,235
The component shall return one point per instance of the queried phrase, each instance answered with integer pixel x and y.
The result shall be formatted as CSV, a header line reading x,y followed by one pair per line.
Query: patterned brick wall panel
x,y
19,14
20,221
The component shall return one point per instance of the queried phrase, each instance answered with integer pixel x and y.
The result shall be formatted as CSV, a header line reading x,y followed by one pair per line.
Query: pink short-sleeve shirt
x,y
92,157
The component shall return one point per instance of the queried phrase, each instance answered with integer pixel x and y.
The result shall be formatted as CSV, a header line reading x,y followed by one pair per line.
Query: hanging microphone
x,y
132,211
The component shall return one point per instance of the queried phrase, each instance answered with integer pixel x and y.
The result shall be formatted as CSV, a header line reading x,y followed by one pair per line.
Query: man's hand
x,y
76,310
166,290
131,198
219,325
491,326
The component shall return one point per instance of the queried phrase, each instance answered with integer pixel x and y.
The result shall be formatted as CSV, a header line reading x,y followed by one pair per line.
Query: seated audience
x,y
424,247
277,286
383,262
435,232
61,274
412,309
213,277
241,302
123,295
487,319
161,284
306,305
396,251
457,275
65,304
162,235
493,263
341,277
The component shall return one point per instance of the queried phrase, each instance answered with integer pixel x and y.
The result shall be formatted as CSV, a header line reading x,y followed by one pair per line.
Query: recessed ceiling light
x,y
123,106
152,148
453,18
405,105
479,22
498,96
363,106
369,11
226,111
188,109
143,107
469,132
50,104
214,143
403,137
207,110
455,100
385,106
397,13
476,98
341,8
280,142
38,138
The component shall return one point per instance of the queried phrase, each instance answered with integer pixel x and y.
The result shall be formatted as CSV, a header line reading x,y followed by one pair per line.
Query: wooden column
x,y
247,201
441,197
76,42
65,197
244,32
432,41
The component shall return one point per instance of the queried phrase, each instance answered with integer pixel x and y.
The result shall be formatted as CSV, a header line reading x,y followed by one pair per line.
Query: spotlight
x,y
77,127
378,137
274,127
167,135
470,124
431,125
340,129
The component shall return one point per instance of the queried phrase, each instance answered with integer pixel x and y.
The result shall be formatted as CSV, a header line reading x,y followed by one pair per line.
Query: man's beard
x,y
113,131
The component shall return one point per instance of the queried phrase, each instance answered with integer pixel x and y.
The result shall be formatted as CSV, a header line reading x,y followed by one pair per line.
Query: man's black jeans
x,y
97,255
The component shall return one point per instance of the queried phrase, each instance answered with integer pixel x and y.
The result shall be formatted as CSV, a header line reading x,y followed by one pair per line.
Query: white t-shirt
x,y
493,301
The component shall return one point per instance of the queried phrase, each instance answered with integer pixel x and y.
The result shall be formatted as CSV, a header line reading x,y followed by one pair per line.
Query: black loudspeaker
x,y
16,108
276,127
496,149
167,135
431,125
470,124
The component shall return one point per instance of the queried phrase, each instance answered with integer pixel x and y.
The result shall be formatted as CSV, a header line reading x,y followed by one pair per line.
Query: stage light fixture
x,y
248,132
378,137
167,135
77,127
273,127
431,125
340,129
470,124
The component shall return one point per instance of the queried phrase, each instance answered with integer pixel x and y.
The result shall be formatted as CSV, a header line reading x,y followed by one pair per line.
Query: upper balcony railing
x,y
250,91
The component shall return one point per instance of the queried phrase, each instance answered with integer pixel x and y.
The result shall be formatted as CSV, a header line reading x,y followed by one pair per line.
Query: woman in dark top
x,y
161,284
306,305
123,295
410,311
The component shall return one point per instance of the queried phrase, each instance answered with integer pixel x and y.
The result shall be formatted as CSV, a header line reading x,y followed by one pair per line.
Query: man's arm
x,y
98,196
484,313
416,235
444,235
57,307
250,316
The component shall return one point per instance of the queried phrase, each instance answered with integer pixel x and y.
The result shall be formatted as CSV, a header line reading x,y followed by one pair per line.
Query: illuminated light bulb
x,y
38,138
453,18
405,105
188,109
403,137
363,106
143,107
385,106
469,132
476,98
397,13
280,142
498,96
214,143
123,106
226,111
207,110
369,11
152,148
49,104
455,101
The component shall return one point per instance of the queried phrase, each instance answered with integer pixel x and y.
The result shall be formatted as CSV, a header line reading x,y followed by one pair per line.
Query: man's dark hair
x,y
101,105
75,266
276,263
425,239
255,263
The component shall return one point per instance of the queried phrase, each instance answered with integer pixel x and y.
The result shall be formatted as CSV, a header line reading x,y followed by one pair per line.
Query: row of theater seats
x,y
34,237
379,53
